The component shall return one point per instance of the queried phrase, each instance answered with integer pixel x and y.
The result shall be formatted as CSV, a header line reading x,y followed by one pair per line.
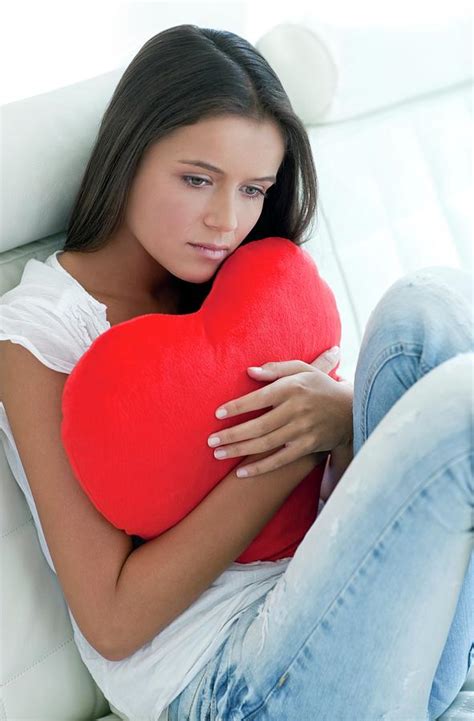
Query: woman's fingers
x,y
279,369
327,360
257,427
281,458
286,434
256,400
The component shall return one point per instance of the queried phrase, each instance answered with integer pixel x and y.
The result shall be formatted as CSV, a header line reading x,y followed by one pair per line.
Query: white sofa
x,y
389,117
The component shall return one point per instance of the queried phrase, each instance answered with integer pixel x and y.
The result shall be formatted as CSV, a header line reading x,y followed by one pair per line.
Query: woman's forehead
x,y
221,140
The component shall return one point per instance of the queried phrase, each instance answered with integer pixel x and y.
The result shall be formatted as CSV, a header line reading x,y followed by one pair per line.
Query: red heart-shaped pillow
x,y
140,404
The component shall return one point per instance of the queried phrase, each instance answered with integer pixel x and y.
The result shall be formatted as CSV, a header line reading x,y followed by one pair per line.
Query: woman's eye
x,y
255,195
189,180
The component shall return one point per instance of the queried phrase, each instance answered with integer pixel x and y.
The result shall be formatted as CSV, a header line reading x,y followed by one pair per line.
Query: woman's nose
x,y
222,215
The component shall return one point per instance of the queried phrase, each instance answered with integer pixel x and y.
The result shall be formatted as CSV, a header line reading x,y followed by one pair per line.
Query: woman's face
x,y
175,203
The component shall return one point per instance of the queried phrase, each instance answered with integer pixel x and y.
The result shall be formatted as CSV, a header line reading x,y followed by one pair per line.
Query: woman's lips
x,y
208,253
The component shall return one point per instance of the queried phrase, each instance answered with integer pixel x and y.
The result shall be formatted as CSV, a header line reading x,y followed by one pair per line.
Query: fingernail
x,y
241,473
221,413
257,369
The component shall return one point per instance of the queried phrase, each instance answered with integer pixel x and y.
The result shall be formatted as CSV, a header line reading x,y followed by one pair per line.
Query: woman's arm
x,y
162,578
339,459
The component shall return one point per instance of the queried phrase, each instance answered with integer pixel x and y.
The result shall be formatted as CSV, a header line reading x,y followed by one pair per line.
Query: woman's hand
x,y
311,412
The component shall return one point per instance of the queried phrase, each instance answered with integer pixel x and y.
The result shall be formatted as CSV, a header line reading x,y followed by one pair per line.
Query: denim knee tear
x,y
413,682
273,601
283,679
397,423
334,530
423,278
354,488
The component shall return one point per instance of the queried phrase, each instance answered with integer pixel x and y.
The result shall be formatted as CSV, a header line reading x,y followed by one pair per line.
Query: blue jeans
x,y
374,616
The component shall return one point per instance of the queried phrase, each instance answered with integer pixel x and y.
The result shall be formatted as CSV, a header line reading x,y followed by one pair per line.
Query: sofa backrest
x,y
389,115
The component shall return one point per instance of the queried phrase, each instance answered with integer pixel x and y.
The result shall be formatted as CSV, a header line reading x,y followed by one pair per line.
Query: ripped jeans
x,y
373,617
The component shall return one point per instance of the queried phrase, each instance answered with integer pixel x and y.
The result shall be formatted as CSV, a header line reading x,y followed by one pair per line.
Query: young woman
x,y
372,617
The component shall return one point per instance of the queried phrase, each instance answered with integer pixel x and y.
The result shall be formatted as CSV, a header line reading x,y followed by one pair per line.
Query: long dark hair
x,y
180,76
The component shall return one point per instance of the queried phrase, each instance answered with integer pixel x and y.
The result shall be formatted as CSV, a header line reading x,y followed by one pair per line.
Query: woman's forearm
x,y
336,465
161,578
340,456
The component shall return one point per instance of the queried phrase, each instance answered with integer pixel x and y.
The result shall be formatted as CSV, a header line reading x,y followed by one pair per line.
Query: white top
x,y
54,317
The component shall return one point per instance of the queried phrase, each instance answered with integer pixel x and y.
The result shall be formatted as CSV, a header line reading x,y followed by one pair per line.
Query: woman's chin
x,y
197,276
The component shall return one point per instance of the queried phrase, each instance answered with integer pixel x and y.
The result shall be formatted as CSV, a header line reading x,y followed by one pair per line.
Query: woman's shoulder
x,y
51,314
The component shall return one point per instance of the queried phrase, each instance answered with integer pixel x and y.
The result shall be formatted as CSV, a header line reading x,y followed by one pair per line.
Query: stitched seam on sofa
x,y
342,273
411,100
25,251
17,528
38,661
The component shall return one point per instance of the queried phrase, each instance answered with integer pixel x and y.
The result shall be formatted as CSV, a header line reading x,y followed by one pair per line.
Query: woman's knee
x,y
423,319
438,278
430,310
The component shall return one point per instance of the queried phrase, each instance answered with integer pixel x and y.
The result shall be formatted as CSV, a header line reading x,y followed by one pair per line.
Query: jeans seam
x,y
388,353
198,689
233,640
417,492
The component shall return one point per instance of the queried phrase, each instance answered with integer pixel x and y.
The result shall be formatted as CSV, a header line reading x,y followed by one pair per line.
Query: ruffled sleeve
x,y
52,316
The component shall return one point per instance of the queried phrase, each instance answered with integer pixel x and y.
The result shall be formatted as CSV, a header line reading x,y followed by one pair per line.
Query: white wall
x,y
46,44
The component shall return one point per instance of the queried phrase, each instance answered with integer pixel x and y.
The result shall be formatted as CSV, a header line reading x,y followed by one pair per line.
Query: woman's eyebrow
x,y
208,166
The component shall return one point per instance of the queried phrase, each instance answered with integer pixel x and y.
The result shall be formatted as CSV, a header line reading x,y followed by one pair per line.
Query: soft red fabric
x,y
140,404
